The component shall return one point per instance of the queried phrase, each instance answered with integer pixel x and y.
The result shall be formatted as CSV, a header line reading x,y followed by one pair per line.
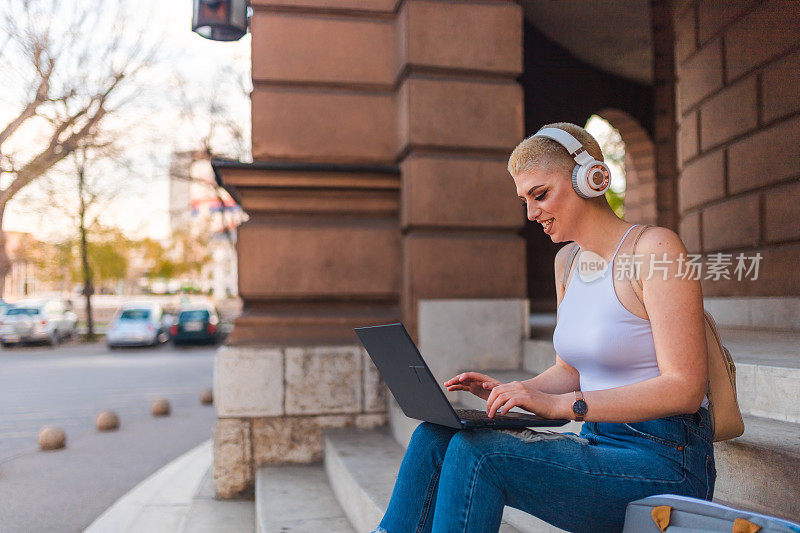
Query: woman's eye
x,y
541,196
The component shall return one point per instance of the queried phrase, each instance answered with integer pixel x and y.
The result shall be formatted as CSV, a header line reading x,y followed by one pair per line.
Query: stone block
x,y
349,257
538,355
718,124
782,213
769,29
374,388
472,36
688,137
323,380
437,191
768,156
713,15
293,439
460,114
248,381
233,462
323,125
304,48
780,94
702,181
464,266
778,275
685,35
700,75
461,335
690,232
375,6
730,224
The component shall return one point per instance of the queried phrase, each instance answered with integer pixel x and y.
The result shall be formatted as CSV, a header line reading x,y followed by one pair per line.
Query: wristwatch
x,y
579,407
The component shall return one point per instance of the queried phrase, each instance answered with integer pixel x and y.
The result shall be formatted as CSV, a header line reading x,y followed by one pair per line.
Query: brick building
x,y
381,131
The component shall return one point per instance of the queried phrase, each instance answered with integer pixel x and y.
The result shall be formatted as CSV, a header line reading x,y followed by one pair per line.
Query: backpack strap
x,y
570,260
633,254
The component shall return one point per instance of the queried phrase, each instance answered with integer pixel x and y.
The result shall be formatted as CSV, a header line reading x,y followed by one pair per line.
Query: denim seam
x,y
608,474
654,438
473,483
429,497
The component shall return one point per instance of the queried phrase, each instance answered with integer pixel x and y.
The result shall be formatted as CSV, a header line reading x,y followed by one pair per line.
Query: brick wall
x,y
738,114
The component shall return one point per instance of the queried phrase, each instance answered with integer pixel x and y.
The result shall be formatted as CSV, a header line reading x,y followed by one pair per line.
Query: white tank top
x,y
607,344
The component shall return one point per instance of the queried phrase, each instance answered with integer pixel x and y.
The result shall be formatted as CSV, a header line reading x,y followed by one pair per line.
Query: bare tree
x,y
70,65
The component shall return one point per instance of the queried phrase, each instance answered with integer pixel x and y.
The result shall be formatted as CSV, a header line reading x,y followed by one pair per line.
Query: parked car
x,y
45,320
137,324
196,324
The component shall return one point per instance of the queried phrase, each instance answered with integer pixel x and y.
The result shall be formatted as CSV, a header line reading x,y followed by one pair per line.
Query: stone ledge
x,y
766,312
758,471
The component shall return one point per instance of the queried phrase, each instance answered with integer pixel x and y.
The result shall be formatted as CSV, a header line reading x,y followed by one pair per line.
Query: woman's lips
x,y
547,225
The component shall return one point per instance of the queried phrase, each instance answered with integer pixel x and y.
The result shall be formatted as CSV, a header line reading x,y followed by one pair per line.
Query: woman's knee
x,y
428,434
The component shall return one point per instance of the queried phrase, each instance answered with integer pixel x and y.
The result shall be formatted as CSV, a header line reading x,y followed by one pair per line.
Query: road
x,y
67,386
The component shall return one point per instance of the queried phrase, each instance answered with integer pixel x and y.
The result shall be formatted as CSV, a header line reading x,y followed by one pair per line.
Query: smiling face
x,y
550,201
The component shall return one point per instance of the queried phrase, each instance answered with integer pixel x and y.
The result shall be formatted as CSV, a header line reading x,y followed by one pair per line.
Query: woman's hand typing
x,y
478,384
519,394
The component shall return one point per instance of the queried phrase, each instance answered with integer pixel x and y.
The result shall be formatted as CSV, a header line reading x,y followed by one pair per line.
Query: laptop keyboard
x,y
479,414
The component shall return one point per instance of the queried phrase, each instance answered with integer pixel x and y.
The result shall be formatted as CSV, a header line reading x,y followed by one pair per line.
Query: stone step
x,y
760,471
538,355
767,372
779,313
207,514
298,499
362,466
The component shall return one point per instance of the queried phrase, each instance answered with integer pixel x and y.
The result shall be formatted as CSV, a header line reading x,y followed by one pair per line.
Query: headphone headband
x,y
573,145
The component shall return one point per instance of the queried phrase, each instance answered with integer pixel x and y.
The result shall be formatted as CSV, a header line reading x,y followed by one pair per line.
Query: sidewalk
x,y
177,498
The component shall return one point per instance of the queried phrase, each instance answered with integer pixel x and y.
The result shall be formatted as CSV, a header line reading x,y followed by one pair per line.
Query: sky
x,y
157,125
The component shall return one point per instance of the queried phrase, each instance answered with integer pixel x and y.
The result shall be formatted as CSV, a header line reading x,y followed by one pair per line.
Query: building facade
x,y
381,132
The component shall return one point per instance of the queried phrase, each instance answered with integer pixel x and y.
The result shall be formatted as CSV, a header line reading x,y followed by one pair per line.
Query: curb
x,y
161,501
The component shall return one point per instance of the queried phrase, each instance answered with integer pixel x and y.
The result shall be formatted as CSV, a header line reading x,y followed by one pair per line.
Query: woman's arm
x,y
559,378
675,309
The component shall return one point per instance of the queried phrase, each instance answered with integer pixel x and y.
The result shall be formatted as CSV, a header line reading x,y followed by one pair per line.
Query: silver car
x,y
137,325
37,320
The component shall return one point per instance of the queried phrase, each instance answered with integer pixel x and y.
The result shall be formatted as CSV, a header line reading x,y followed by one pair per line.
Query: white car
x,y
37,320
137,325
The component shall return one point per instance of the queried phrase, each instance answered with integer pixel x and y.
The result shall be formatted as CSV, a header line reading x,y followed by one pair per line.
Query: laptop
x,y
419,395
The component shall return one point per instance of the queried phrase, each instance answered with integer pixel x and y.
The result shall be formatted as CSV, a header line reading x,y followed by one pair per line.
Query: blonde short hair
x,y
541,152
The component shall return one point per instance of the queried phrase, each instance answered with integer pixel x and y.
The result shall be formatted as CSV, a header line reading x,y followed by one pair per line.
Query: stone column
x,y
320,253
459,115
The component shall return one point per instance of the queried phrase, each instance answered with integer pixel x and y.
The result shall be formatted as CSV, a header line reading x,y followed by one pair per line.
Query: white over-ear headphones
x,y
590,177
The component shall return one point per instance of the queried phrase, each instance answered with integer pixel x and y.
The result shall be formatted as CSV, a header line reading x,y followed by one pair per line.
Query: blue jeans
x,y
459,481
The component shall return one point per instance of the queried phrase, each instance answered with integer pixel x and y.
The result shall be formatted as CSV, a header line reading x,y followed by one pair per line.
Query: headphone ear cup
x,y
598,172
576,175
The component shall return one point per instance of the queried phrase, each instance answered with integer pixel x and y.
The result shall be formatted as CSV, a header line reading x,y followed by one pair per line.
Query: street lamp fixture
x,y
220,20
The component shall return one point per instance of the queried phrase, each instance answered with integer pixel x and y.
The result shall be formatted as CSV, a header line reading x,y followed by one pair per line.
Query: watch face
x,y
579,407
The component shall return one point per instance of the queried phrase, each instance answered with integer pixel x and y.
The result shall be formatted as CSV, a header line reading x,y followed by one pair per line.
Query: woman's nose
x,y
533,212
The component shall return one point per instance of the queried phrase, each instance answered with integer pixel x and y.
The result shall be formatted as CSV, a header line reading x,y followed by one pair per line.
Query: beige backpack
x,y
723,408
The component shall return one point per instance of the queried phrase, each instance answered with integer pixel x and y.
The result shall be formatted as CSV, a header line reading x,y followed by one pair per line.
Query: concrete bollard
x,y
107,421
52,438
160,407
207,397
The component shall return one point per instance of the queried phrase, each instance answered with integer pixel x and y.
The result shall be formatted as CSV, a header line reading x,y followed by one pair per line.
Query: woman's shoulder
x,y
659,240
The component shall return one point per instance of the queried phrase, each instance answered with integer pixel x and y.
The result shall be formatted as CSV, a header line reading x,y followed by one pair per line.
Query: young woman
x,y
631,365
